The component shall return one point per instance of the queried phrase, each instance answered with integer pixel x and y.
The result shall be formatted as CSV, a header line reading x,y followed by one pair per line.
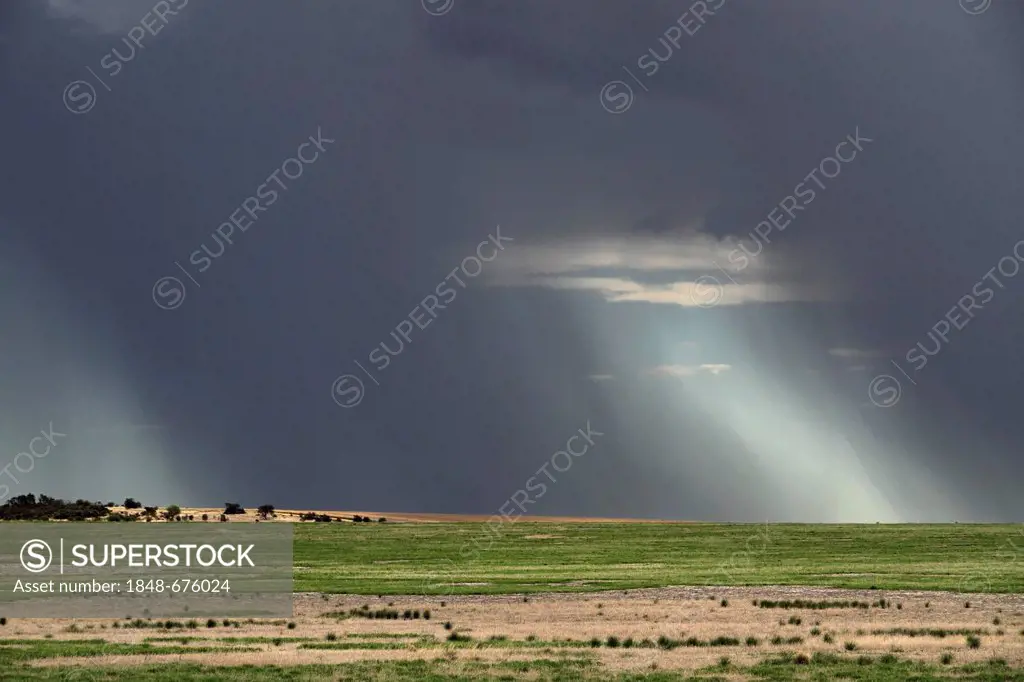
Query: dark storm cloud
x,y
910,231
447,126
664,220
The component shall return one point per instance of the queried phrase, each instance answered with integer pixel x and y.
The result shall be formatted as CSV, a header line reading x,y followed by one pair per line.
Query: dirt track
x,y
292,515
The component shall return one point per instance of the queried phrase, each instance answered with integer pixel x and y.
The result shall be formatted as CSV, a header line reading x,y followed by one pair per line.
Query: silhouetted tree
x,y
28,508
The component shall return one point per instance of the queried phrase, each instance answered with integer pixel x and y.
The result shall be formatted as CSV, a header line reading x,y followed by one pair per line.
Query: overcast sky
x,y
716,232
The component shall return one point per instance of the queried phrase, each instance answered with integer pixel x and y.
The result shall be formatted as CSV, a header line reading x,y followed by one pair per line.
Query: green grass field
x,y
528,557
434,558
566,669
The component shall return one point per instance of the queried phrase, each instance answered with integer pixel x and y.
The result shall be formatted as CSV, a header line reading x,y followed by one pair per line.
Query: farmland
x,y
567,599
465,558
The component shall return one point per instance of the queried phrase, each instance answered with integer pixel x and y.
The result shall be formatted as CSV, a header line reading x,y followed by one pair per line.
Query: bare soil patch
x,y
540,625
293,516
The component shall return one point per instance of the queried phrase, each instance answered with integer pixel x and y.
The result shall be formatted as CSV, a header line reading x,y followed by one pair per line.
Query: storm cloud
x,y
744,348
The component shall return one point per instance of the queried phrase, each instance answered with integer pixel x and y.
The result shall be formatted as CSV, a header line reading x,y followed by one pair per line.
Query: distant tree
x,y
223,518
357,519
28,508
149,511
191,517
132,503
108,505
172,512
265,511
206,517
233,508
382,520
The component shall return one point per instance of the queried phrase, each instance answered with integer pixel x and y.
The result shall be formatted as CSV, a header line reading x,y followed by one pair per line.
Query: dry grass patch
x,y
627,628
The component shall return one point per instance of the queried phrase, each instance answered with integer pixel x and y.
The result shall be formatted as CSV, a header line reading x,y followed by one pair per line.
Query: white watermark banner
x,y
98,570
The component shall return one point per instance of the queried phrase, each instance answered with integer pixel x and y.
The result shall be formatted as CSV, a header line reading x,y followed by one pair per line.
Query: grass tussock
x,y
805,604
929,632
